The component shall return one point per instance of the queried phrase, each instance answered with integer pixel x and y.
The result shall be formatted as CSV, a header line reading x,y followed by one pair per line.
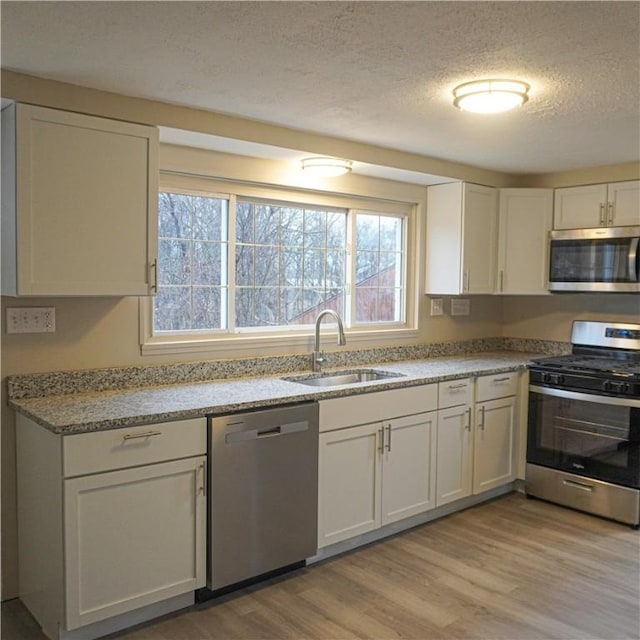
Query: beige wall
x,y
550,317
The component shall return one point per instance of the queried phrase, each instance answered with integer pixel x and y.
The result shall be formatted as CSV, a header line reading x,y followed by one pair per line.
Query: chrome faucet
x,y
318,356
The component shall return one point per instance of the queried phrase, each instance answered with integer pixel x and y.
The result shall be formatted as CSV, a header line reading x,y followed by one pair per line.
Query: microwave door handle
x,y
634,276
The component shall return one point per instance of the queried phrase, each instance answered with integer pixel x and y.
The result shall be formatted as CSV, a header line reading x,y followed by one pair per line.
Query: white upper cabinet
x,y
598,205
461,239
525,219
79,204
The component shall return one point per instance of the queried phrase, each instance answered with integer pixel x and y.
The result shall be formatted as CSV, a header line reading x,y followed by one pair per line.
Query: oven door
x,y
586,433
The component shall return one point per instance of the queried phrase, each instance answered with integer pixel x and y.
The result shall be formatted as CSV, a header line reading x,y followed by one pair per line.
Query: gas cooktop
x,y
610,364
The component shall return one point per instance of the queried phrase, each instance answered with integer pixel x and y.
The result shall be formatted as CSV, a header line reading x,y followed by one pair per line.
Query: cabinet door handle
x,y
153,276
202,489
457,386
501,280
381,439
389,438
481,418
610,216
505,379
468,425
603,220
146,434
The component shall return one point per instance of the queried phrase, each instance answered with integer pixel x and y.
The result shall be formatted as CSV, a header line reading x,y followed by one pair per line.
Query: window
x,y
246,262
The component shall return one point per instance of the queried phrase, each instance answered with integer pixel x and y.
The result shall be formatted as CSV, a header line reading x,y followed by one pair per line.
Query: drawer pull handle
x,y
505,379
146,434
457,386
578,485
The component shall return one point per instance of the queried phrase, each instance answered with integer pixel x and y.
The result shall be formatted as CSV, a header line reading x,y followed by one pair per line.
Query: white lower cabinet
x,y
374,474
112,524
454,478
494,444
477,441
132,538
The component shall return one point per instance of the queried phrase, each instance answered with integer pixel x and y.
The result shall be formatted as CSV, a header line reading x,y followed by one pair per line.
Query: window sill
x,y
268,345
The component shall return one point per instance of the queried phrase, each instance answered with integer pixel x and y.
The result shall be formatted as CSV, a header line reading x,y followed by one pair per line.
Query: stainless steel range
x,y
583,442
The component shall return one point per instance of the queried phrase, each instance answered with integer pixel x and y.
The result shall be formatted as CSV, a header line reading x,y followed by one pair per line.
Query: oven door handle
x,y
634,276
586,397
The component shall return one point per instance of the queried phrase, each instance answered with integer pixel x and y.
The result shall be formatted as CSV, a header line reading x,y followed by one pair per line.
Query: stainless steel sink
x,y
333,378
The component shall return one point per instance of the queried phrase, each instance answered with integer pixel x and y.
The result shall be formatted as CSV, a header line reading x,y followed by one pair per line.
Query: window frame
x,y
252,338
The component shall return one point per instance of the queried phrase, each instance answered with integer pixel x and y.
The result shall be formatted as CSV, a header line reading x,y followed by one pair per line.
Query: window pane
x,y
367,268
192,253
315,228
387,305
172,309
379,268
390,233
336,229
266,267
367,232
245,315
289,265
244,265
174,215
366,304
207,263
266,221
244,222
174,261
206,308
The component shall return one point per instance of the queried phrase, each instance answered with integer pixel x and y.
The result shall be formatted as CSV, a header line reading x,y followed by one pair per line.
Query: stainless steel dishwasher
x,y
263,492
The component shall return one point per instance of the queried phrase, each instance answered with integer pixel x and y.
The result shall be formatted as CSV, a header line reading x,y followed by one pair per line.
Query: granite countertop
x,y
96,411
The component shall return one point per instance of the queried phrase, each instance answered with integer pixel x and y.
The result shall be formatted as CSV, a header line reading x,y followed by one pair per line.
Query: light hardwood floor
x,y
509,569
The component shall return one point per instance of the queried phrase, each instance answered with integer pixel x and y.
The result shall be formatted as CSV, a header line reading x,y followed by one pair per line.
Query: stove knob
x,y
624,387
560,379
607,385
546,377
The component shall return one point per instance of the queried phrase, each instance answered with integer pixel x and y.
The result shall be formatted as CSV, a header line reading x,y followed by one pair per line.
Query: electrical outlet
x,y
31,320
460,307
436,307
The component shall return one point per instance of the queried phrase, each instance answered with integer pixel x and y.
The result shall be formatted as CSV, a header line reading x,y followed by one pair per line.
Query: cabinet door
x,y
349,481
479,239
453,479
409,466
494,444
526,216
86,204
624,203
133,537
580,207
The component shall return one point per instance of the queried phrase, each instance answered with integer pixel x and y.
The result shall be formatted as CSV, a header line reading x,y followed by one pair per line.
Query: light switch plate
x,y
436,307
31,320
460,306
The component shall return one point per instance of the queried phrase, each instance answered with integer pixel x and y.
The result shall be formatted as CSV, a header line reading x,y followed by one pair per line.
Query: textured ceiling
x,y
375,72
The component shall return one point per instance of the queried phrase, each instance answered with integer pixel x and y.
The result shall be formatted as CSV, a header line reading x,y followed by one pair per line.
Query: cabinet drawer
x,y
499,385
373,407
454,392
129,447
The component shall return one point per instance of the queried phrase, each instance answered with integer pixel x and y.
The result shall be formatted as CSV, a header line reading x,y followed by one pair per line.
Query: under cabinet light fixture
x,y
325,167
490,96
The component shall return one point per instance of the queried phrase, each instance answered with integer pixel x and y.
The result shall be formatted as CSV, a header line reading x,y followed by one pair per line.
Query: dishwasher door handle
x,y
270,431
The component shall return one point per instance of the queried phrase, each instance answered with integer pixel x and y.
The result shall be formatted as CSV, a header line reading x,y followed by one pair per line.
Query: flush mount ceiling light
x,y
490,96
326,167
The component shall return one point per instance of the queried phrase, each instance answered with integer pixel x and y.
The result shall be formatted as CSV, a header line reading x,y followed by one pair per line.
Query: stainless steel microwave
x,y
601,259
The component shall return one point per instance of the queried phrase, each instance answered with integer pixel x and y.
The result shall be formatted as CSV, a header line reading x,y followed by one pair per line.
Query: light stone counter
x,y
94,411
